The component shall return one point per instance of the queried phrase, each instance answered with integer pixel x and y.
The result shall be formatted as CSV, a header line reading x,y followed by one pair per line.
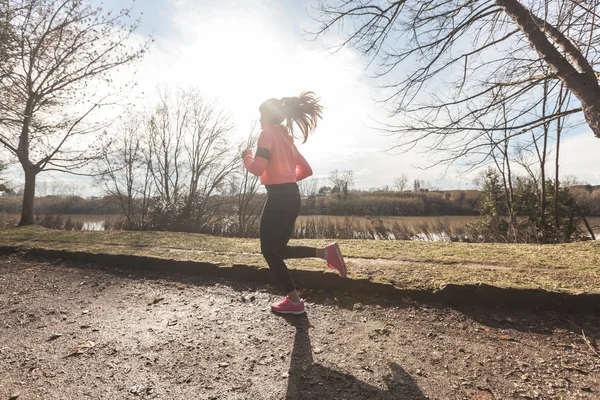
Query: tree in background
x,y
171,164
5,33
416,185
248,208
4,188
491,206
400,182
59,55
309,187
125,171
342,182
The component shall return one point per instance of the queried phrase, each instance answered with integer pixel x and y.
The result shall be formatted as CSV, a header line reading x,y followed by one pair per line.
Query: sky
x,y
240,53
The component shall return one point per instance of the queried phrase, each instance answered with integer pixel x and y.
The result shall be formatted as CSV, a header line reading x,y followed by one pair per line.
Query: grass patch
x,y
572,268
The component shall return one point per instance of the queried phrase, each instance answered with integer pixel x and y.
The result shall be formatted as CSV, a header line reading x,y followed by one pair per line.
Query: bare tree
x,y
248,209
501,154
169,166
400,182
571,180
486,53
58,51
309,186
166,128
209,157
125,173
342,181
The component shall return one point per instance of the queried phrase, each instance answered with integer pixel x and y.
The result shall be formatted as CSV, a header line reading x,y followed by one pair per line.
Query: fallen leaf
x,y
480,395
382,331
507,338
83,347
570,346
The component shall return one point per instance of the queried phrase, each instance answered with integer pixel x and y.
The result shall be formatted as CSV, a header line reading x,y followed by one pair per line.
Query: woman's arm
x,y
303,169
257,165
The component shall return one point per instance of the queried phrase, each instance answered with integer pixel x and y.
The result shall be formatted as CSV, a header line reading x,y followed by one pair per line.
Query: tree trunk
x,y
581,84
557,165
27,216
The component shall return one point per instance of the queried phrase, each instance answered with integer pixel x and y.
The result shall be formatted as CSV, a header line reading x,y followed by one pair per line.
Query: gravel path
x,y
86,332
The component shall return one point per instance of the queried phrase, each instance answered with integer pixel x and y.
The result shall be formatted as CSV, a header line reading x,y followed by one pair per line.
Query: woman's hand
x,y
246,153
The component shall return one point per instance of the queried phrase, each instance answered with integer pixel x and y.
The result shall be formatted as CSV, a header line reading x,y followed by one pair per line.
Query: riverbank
x,y
416,265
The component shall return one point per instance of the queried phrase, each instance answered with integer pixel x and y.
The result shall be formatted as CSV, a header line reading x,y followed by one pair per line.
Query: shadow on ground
x,y
310,380
517,314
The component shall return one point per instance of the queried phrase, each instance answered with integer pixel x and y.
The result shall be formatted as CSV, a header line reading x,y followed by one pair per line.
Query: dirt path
x,y
164,337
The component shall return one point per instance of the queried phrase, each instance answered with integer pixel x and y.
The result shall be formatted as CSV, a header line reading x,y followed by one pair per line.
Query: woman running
x,y
280,165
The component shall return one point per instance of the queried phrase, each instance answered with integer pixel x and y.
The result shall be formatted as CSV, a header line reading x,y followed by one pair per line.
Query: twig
x,y
574,368
587,341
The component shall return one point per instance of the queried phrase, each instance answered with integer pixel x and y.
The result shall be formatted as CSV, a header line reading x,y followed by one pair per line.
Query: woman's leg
x,y
273,229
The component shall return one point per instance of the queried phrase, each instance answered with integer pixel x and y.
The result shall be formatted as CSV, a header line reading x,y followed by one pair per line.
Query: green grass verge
x,y
572,268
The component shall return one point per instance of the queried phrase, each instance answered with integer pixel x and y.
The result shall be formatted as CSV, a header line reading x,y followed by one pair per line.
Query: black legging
x,y
276,228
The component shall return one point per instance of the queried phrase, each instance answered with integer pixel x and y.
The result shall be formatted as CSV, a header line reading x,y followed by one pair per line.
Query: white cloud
x,y
579,157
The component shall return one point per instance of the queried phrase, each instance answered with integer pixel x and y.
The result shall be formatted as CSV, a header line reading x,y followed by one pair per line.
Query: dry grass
x,y
572,268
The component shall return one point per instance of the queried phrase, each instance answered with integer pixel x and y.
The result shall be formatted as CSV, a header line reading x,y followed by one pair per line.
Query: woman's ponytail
x,y
304,111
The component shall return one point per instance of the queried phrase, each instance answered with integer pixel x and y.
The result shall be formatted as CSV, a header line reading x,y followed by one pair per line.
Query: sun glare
x,y
242,60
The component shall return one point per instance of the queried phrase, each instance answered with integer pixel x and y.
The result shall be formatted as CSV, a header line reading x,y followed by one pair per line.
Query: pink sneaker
x,y
335,259
287,307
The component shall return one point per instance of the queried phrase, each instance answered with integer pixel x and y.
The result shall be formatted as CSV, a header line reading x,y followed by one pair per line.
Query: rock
x,y
318,351
13,397
223,365
54,337
156,300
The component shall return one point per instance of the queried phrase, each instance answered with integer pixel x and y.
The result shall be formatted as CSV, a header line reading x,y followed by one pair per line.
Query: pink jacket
x,y
277,160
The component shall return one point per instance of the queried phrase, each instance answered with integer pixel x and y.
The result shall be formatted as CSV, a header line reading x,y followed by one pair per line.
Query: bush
x,y
531,226
8,220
